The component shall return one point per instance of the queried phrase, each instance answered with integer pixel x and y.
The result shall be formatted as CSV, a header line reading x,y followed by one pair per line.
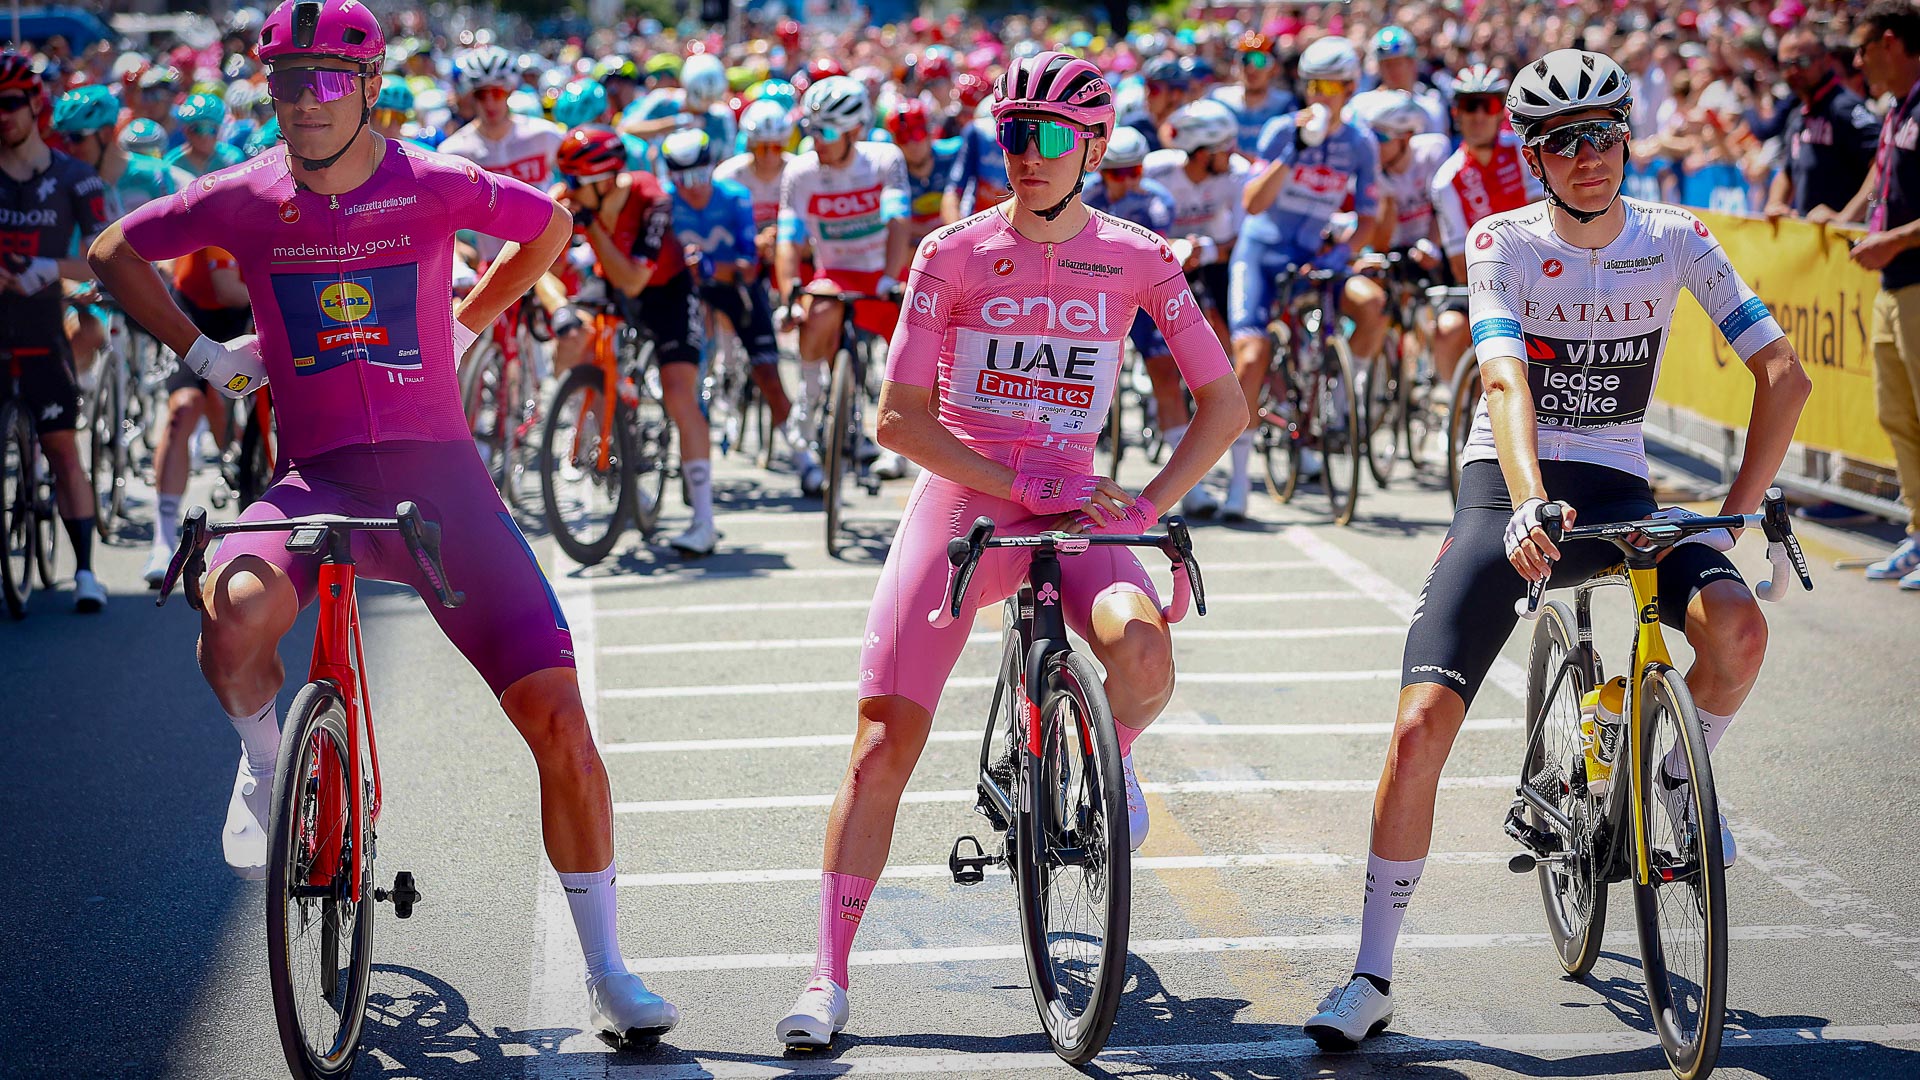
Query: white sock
x,y
699,475
166,522
1240,453
1389,887
260,738
813,385
1713,726
1174,435
591,899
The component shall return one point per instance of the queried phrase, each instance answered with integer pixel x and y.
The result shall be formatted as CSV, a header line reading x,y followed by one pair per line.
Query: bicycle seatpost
x,y
1551,518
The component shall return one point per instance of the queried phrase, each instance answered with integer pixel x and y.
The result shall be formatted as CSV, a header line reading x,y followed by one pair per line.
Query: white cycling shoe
x,y
1235,506
698,541
1679,804
155,573
891,466
1137,821
89,595
818,1015
624,1011
243,840
1200,503
1350,1014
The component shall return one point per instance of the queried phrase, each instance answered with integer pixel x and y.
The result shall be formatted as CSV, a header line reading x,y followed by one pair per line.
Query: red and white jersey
x,y
766,193
526,154
1411,188
1210,208
1464,191
843,211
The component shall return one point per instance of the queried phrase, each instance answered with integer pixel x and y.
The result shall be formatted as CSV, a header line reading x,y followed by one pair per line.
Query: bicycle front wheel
x,y
1573,889
1342,428
1382,401
46,519
17,533
1073,865
107,456
1682,908
319,939
586,458
841,445
1466,400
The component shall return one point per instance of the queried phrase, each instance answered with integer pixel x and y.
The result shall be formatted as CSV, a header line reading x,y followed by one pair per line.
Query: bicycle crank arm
x,y
971,869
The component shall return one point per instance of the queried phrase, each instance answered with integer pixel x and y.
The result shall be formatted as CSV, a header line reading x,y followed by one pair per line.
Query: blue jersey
x,y
1320,181
1150,204
722,229
1720,186
980,162
1254,121
924,193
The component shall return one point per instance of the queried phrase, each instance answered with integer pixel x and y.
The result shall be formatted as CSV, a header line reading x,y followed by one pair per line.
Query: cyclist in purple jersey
x,y
345,242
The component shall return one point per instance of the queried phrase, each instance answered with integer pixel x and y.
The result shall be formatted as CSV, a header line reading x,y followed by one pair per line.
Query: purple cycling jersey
x,y
352,293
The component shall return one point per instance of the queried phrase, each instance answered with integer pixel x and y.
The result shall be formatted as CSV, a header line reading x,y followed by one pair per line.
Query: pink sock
x,y
1126,735
843,900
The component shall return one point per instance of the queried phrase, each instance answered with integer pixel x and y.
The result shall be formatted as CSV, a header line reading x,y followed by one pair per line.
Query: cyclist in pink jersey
x,y
345,242
998,381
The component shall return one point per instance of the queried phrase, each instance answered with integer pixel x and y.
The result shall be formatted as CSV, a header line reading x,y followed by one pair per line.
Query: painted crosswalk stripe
x,y
1182,635
1213,600
974,682
1319,860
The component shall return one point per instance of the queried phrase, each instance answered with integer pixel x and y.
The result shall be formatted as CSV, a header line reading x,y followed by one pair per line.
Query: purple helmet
x,y
337,28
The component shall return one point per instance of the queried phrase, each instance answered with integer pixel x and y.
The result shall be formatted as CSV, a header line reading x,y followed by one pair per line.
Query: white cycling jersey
x,y
525,154
766,193
844,211
1412,201
1210,208
1592,323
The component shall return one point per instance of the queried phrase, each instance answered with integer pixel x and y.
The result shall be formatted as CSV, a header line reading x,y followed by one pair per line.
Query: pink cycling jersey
x,y
1024,340
352,293
1022,343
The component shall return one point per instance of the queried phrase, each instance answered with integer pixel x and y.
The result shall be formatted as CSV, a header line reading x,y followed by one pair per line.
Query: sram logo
x,y
845,204
1078,316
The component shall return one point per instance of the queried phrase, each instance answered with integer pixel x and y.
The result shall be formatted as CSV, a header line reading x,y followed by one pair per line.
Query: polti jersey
x,y
526,154
722,229
1022,341
1592,324
1320,180
1254,120
765,193
1412,188
352,293
925,193
1464,191
844,211
1210,208
39,218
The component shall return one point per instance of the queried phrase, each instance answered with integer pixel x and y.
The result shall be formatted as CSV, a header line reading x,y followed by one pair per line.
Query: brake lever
x,y
1180,539
963,554
1551,516
423,540
1777,524
191,531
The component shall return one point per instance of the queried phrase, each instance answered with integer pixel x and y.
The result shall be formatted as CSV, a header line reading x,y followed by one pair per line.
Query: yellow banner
x,y
1824,303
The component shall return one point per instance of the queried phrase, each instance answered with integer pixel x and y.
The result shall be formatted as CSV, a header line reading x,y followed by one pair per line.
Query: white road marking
x,y
1827,893
966,682
960,954
830,573
1213,599
1162,727
1124,1060
1181,635
1181,787
1308,859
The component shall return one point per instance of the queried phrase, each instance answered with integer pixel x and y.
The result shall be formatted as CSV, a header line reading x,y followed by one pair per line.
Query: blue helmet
x,y
146,137
262,140
84,109
395,94
584,101
1392,41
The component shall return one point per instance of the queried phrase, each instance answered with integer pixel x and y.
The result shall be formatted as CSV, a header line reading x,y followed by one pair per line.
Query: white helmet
x,y
489,65
704,78
1566,81
840,103
1202,125
1330,58
766,122
1126,147
1390,113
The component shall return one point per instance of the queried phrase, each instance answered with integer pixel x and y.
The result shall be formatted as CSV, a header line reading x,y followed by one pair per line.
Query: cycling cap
x,y
1057,83
1566,81
339,28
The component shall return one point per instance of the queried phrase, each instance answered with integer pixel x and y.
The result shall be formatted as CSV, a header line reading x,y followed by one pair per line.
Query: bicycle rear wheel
x,y
1073,867
47,526
1574,891
1279,414
1341,428
1466,399
586,463
253,468
106,447
319,939
841,444
17,532
1682,909
652,433
1382,403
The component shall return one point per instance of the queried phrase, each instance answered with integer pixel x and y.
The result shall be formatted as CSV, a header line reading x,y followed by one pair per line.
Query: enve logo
x,y
1003,267
346,302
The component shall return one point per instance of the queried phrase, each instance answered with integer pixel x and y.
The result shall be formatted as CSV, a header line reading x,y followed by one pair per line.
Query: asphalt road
x,y
722,695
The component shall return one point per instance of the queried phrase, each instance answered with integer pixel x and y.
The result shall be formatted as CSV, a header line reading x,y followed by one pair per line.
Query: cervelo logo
x,y
846,204
1075,315
1551,268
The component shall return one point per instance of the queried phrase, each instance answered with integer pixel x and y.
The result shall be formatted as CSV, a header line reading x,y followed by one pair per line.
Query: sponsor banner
x,y
363,317
1822,300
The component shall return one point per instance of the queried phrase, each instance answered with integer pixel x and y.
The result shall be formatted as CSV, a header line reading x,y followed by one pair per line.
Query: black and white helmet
x,y
1566,81
838,102
488,65
1481,79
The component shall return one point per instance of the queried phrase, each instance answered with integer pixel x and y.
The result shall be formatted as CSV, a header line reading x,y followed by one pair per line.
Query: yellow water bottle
x,y
1600,732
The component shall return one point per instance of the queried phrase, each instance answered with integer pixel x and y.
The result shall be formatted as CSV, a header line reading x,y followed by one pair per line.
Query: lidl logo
x,y
239,383
345,301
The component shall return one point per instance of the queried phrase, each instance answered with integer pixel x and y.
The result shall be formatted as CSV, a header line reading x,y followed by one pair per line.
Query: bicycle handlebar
x,y
1783,548
309,534
964,552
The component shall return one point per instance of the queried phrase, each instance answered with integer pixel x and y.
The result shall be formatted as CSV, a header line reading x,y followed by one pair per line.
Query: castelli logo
x,y
1003,267
289,213
1699,226
1483,241
927,249
1551,268
1166,253
473,173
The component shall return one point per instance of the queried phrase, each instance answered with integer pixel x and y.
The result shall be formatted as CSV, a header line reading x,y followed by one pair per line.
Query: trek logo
x,y
845,204
1003,267
1077,316
367,317
1551,268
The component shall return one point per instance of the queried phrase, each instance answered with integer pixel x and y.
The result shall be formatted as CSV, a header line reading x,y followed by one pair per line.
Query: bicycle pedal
x,y
402,896
969,869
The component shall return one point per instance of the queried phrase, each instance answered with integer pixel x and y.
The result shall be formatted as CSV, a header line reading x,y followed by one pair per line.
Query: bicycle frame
x,y
605,355
338,658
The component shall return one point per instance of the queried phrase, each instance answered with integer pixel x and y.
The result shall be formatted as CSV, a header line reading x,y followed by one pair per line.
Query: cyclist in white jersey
x,y
1409,156
1572,301
498,140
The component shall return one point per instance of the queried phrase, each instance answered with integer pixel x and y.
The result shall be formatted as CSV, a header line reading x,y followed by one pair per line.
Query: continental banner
x,y
1825,304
